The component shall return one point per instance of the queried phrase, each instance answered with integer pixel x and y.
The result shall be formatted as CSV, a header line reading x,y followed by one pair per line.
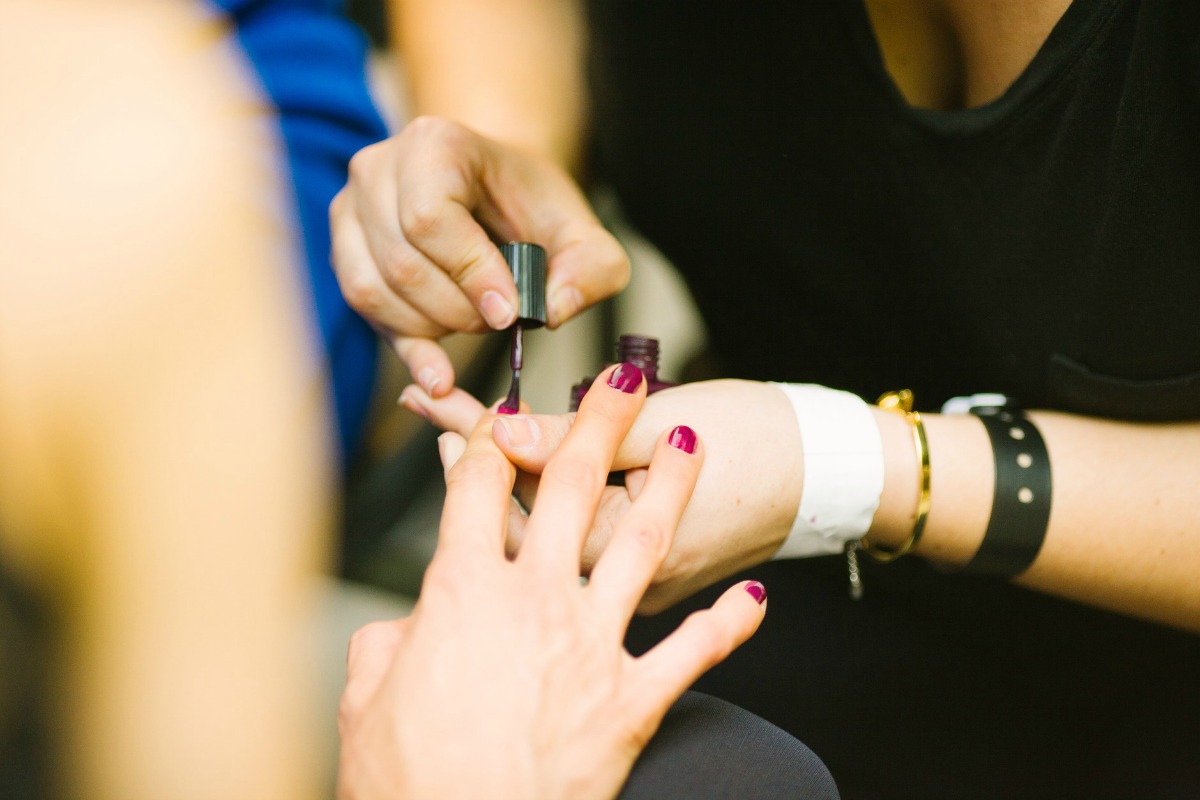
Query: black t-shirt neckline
x,y
1067,41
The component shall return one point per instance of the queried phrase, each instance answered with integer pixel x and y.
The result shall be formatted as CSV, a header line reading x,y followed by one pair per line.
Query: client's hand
x,y
510,680
745,499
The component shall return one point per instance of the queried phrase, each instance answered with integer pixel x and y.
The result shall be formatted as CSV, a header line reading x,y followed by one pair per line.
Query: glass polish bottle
x,y
643,353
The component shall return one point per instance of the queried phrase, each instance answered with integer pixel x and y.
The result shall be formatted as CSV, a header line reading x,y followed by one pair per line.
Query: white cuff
x,y
843,470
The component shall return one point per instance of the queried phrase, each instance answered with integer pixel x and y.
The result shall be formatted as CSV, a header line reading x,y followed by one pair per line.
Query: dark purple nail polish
x,y
683,438
757,591
626,378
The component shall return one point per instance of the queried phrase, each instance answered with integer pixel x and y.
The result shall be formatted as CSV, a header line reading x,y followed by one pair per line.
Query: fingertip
x,y
412,398
427,362
757,591
499,311
564,302
451,446
683,438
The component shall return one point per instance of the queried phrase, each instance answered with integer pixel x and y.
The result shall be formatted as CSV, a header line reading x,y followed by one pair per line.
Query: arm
x,y
163,470
510,70
1124,530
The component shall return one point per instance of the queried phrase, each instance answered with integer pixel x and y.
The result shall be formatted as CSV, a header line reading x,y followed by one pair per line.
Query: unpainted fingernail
x,y
757,591
625,378
521,432
565,302
441,440
683,438
428,378
408,400
498,312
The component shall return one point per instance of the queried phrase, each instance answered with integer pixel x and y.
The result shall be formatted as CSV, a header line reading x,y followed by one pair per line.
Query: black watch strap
x,y
1021,499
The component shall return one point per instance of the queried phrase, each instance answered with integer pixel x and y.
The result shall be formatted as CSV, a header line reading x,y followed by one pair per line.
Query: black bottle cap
x,y
528,264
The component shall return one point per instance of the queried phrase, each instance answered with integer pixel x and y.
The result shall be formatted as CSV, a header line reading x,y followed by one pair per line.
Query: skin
x,y
1122,529
1135,552
164,485
533,695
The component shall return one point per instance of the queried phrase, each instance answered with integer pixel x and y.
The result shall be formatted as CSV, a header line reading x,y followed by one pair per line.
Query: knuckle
x,y
362,164
572,474
479,468
712,642
402,267
370,637
362,294
440,129
336,205
420,217
652,537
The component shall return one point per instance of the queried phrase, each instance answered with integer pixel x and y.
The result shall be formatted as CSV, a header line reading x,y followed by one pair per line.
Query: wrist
x,y
960,491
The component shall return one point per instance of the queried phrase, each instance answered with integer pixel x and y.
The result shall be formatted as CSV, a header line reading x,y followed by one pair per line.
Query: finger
x,y
458,411
411,275
365,291
434,209
704,640
635,481
451,446
427,362
574,478
369,655
583,271
478,489
529,440
644,534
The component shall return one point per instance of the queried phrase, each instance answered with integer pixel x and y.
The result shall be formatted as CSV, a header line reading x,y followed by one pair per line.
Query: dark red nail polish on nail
x,y
683,438
757,591
626,378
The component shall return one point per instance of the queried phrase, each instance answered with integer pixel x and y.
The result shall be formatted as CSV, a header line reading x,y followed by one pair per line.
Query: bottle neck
x,y
642,352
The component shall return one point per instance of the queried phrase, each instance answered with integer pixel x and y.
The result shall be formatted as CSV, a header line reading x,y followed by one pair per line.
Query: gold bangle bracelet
x,y
901,402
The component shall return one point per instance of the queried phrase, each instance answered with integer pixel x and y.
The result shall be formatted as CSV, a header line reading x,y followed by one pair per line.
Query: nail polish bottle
x,y
642,352
528,264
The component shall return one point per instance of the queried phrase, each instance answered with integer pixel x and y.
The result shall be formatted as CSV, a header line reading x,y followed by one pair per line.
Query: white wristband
x,y
843,470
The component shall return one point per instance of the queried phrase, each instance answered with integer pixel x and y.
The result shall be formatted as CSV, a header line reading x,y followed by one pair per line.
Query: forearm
x,y
1124,529
512,71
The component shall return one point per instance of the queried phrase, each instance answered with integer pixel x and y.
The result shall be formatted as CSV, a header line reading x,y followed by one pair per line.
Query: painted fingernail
x,y
683,438
625,378
428,378
757,591
520,432
498,312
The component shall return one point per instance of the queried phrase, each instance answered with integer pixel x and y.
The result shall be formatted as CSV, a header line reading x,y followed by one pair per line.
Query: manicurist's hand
x,y
745,499
510,679
414,235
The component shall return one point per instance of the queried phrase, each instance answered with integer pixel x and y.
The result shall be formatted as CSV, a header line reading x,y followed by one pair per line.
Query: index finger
x,y
478,487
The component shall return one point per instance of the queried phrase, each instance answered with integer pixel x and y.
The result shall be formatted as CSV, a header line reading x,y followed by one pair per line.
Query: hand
x,y
510,679
746,497
414,231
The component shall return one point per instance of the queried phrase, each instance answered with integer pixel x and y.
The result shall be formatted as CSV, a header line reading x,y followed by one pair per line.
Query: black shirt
x,y
1046,245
